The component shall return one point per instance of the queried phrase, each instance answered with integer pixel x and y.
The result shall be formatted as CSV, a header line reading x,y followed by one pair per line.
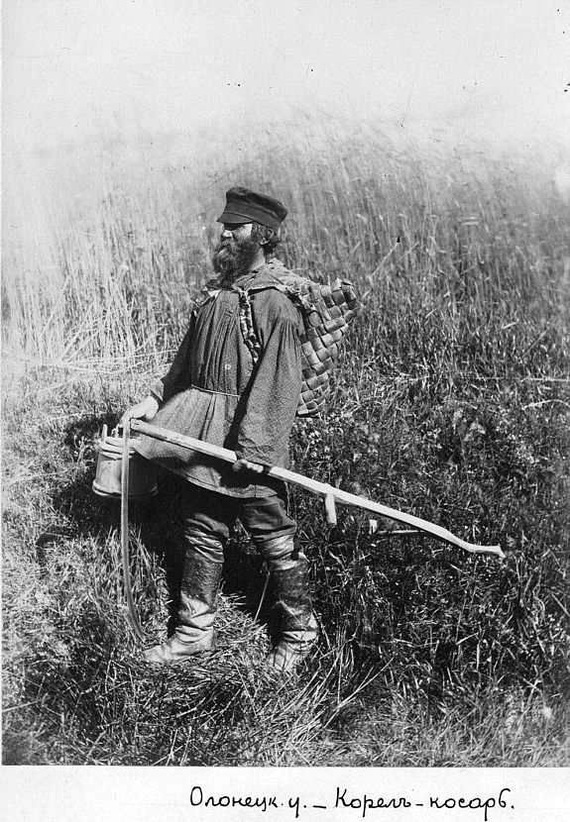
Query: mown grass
x,y
451,402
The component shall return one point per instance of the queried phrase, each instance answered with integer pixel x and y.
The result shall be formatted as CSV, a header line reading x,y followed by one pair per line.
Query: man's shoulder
x,y
206,294
272,274
273,298
269,293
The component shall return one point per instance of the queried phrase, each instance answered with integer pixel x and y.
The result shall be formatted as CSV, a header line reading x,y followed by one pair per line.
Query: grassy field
x,y
451,402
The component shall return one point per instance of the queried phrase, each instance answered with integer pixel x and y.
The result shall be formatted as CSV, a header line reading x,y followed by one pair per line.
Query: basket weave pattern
x,y
326,311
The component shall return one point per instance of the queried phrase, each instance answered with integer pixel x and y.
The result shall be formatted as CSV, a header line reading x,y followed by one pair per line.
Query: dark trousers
x,y
208,518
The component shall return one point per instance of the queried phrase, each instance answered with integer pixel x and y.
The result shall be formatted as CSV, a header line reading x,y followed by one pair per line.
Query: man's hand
x,y
144,410
246,465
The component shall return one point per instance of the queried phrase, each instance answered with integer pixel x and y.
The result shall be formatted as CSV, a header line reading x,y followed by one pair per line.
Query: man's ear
x,y
264,235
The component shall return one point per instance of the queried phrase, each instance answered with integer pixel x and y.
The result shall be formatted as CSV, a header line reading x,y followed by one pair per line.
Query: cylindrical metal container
x,y
107,482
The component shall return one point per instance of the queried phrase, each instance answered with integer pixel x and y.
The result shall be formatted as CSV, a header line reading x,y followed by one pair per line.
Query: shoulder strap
x,y
247,327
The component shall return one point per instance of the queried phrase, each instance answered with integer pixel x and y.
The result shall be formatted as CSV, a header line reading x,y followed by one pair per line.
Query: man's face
x,y
236,250
239,231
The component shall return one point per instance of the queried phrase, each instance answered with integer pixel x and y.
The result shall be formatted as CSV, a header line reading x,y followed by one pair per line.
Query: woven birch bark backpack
x,y
326,311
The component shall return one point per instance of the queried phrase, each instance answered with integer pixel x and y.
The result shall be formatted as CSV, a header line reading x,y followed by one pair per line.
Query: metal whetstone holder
x,y
107,482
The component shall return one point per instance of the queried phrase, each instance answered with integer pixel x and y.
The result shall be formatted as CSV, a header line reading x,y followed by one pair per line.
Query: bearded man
x,y
235,382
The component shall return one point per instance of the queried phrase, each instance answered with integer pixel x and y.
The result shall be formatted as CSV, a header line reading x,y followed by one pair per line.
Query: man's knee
x,y
268,523
207,543
279,551
206,519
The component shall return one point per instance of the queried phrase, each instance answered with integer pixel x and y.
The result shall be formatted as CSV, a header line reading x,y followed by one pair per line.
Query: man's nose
x,y
227,233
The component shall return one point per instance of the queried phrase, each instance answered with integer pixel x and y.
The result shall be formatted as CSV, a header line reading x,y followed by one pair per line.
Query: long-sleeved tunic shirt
x,y
213,391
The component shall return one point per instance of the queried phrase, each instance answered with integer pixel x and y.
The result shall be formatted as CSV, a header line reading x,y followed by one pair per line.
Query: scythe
x,y
330,495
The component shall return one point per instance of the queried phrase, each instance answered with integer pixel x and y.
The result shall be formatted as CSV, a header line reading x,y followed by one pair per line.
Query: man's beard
x,y
231,259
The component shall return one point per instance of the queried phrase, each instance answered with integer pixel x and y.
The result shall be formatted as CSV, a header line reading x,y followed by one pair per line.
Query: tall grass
x,y
107,271
451,401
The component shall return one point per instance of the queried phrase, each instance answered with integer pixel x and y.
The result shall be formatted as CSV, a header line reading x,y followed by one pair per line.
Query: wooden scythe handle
x,y
329,492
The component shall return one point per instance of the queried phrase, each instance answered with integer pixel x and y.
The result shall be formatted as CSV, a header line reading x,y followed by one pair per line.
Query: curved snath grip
x,y
135,624
330,509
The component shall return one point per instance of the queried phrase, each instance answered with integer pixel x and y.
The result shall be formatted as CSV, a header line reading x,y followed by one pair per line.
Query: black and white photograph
x,y
286,410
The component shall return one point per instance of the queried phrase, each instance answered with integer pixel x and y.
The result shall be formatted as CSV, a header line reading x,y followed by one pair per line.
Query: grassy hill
x,y
451,401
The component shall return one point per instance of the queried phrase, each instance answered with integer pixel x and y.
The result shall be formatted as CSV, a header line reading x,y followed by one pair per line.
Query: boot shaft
x,y
293,607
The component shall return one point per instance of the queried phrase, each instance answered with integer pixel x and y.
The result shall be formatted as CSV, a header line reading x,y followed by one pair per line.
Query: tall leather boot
x,y
196,612
296,623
